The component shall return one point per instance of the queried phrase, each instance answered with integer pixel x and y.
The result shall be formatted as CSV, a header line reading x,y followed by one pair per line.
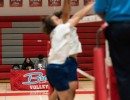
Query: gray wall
x,y
26,10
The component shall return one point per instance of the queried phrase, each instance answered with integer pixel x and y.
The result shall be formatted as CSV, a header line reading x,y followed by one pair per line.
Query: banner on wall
x,y
16,3
1,3
28,80
86,1
74,2
54,2
35,3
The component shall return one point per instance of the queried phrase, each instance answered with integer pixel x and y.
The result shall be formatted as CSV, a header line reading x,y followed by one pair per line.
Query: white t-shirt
x,y
60,48
75,44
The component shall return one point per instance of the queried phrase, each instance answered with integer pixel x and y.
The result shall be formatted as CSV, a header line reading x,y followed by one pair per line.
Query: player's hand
x,y
91,1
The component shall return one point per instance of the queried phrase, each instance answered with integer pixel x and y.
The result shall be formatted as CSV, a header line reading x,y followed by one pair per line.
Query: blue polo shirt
x,y
114,10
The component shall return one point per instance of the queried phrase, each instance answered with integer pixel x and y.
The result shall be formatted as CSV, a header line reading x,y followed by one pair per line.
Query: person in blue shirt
x,y
117,14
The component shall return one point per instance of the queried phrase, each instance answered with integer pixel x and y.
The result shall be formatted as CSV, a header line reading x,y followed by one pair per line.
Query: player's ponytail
x,y
48,25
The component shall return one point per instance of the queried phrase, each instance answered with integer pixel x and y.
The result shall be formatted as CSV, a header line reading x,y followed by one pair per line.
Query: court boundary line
x,y
38,93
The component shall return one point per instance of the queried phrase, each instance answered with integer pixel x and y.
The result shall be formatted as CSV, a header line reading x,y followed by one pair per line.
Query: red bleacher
x,y
37,43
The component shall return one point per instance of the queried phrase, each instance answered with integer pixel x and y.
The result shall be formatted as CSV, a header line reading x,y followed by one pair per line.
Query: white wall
x,y
26,10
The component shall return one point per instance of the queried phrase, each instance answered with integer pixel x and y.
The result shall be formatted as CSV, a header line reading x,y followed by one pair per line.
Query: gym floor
x,y
84,92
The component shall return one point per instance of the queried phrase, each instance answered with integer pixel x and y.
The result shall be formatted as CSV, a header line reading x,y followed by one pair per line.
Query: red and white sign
x,y
1,3
54,2
74,2
16,3
86,2
35,3
28,80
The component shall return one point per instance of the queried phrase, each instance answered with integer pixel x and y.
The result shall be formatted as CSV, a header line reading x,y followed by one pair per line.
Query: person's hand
x,y
91,1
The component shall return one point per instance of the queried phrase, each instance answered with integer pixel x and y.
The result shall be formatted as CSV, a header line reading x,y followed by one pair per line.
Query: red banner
x,y
28,80
74,2
35,3
16,3
54,2
1,3
86,2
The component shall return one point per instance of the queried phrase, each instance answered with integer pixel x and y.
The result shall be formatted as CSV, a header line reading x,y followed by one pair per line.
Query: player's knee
x,y
73,85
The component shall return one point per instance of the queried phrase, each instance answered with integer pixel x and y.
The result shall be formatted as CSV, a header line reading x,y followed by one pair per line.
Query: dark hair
x,y
40,56
48,24
26,59
58,14
16,67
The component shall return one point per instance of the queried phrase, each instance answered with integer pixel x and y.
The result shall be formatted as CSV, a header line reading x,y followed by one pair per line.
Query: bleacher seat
x,y
21,36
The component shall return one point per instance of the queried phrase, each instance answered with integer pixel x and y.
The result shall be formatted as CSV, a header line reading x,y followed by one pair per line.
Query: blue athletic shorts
x,y
72,67
59,75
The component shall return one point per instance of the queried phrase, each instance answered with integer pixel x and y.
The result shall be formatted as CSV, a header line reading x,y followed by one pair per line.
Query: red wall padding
x,y
4,75
89,35
82,60
0,46
87,29
5,68
87,66
19,18
34,42
5,24
90,24
45,36
89,47
91,41
35,36
86,54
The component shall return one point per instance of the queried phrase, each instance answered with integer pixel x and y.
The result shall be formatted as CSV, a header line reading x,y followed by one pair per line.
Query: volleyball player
x,y
75,48
57,70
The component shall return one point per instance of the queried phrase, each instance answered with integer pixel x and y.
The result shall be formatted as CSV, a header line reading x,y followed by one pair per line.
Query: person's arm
x,y
23,66
32,65
45,63
80,14
36,65
66,11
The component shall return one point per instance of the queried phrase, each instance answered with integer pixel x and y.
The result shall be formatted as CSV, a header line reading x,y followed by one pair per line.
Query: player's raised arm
x,y
81,13
66,10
